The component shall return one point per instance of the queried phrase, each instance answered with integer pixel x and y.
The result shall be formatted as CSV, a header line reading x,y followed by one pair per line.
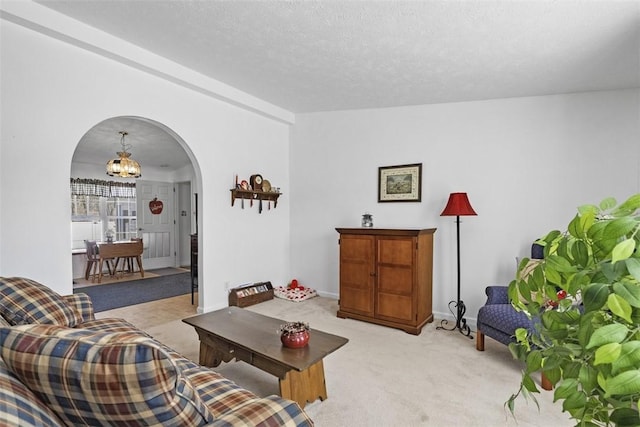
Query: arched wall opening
x,y
165,157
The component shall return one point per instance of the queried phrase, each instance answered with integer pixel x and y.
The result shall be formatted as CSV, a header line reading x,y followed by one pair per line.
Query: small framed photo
x,y
401,183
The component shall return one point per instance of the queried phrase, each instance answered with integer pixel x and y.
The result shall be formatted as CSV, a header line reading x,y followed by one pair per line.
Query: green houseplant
x,y
587,343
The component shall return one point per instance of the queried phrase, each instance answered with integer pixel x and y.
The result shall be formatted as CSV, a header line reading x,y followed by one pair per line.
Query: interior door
x,y
156,225
184,223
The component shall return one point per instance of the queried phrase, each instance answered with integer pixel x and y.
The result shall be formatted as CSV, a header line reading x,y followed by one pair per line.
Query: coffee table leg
x,y
305,386
210,356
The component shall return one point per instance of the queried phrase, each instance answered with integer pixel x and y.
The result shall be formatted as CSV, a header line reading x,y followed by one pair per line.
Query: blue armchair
x,y
498,319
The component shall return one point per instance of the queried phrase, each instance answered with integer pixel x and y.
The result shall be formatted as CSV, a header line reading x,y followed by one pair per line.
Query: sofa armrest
x,y
497,295
270,410
82,303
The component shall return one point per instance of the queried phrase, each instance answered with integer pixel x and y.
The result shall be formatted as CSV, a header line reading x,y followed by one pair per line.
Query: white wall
x,y
53,93
525,163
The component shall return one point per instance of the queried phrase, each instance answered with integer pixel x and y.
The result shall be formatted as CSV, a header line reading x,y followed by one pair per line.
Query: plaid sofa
x,y
60,366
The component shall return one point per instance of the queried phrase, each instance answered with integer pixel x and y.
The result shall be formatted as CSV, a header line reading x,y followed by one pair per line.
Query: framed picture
x,y
401,183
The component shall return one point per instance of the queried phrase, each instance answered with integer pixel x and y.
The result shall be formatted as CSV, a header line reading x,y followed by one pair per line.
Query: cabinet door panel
x,y
395,307
357,270
398,280
395,275
398,251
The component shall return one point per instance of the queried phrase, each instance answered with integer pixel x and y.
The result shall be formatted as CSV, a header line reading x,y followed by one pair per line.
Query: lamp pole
x,y
458,205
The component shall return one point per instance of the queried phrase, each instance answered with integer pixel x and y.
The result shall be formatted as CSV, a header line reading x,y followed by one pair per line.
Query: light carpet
x,y
382,376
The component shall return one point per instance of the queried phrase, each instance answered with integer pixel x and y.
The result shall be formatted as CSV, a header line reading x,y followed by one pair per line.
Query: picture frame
x,y
401,183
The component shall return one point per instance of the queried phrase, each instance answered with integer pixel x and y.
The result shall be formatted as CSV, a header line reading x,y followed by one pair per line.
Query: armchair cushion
x,y
25,301
497,295
101,378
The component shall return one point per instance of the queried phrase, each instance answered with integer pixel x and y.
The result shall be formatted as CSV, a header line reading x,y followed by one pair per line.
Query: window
x,y
98,207
121,218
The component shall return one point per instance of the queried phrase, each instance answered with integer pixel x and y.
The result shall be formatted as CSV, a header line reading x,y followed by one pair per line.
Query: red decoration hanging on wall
x,y
155,206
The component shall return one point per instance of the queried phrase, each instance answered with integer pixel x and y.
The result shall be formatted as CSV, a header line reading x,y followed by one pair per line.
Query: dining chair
x,y
129,260
93,260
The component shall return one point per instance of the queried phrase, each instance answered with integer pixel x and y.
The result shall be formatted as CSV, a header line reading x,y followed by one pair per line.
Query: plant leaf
x,y
628,206
615,332
629,291
534,361
625,417
560,264
588,378
633,266
623,250
619,307
595,296
565,389
629,357
576,400
580,253
626,383
620,227
608,353
608,203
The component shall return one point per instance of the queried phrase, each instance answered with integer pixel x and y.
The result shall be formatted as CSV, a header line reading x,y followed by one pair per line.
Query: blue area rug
x,y
116,295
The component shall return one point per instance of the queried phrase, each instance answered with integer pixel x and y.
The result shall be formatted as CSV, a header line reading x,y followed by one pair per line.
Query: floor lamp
x,y
458,205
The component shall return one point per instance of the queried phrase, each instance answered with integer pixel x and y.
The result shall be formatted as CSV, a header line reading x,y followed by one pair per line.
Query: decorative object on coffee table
x,y
237,333
458,205
294,334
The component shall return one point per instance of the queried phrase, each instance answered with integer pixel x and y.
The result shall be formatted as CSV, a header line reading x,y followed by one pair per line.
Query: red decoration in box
x,y
155,206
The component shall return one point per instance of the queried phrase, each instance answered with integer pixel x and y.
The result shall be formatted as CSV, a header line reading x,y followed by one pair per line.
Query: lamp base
x,y
461,322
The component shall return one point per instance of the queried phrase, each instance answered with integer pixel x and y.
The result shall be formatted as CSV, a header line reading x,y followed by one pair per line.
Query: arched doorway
x,y
166,161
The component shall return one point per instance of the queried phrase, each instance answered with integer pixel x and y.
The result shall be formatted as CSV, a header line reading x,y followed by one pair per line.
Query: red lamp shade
x,y
457,205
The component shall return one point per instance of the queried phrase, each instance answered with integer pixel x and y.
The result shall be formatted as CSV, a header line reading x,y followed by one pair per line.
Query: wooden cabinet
x,y
385,276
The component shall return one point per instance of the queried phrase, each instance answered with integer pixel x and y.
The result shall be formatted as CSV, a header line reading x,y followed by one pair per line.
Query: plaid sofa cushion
x,y
218,393
265,412
233,406
100,378
24,301
83,305
111,324
19,406
4,322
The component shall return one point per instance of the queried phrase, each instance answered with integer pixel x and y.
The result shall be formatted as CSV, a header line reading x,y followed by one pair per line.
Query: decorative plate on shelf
x,y
244,184
266,185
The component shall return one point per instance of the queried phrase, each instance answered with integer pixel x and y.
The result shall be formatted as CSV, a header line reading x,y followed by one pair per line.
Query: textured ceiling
x,y
148,144
309,56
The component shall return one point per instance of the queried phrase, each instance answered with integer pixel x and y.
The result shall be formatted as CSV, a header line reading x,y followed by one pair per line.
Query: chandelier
x,y
124,166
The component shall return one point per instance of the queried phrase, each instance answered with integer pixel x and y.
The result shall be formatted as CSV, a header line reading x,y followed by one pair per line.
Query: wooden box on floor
x,y
247,295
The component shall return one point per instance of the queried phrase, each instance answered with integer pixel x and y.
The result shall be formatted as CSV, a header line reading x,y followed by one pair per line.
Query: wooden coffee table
x,y
236,333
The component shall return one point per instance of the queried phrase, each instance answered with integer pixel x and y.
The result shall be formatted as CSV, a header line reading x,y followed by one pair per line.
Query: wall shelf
x,y
255,196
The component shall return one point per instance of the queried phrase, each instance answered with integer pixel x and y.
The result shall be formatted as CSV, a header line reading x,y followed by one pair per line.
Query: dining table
x,y
125,251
